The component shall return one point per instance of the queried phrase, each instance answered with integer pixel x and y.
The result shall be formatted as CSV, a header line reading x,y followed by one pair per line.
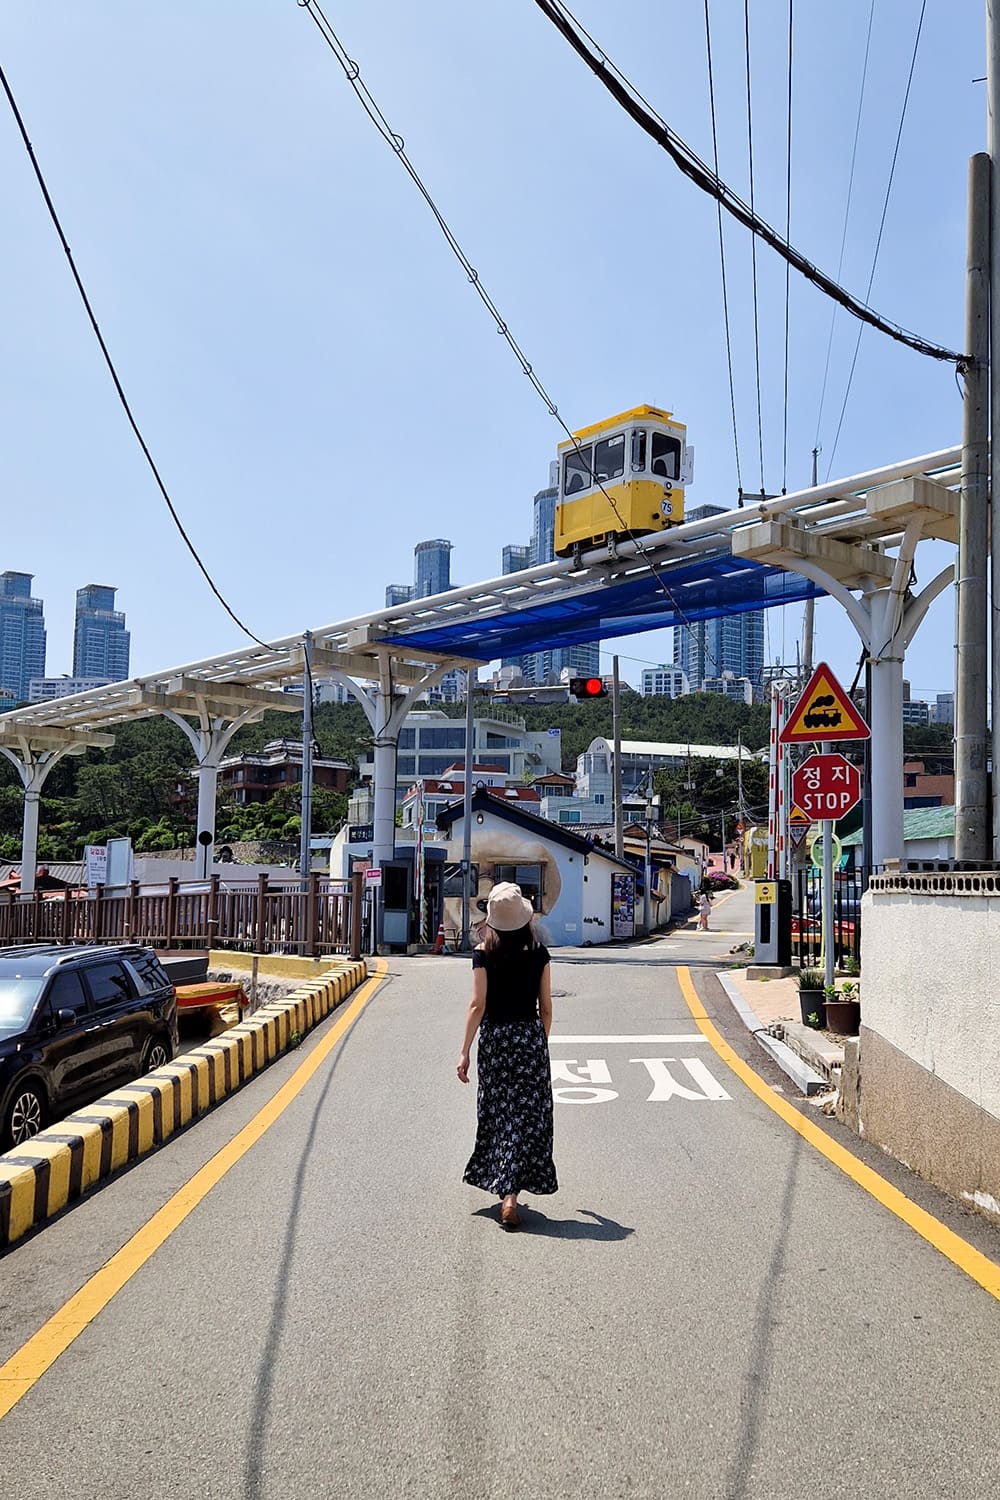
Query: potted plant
x,y
843,1011
811,1004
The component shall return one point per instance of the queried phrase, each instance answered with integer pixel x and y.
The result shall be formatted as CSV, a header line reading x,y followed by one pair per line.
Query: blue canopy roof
x,y
710,585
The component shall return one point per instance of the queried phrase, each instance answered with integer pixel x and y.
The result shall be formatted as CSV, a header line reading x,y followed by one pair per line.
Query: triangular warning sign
x,y
823,713
799,819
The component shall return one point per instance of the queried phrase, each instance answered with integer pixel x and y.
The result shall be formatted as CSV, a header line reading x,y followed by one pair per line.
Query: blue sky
x,y
314,375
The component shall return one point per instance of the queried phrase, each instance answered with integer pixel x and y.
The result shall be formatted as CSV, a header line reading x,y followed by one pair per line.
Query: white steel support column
x,y
209,741
886,648
886,619
385,714
32,766
384,756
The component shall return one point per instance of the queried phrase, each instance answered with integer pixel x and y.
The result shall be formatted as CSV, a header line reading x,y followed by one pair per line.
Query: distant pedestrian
x,y
732,859
511,1008
704,907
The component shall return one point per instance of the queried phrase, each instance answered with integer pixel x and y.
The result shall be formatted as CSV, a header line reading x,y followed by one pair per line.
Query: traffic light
x,y
587,687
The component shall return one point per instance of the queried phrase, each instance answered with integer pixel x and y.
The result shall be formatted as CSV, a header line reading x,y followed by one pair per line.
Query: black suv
x,y
74,1022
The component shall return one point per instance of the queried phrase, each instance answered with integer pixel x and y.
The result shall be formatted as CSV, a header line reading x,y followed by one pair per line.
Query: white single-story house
x,y
582,892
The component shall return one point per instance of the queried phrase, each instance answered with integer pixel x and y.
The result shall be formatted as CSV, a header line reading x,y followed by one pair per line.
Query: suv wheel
x,y
25,1114
156,1055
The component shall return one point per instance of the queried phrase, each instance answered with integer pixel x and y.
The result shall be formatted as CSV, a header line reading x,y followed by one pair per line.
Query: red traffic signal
x,y
587,687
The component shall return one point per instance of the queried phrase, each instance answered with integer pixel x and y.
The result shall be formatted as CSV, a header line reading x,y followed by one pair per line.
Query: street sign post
x,y
826,787
823,714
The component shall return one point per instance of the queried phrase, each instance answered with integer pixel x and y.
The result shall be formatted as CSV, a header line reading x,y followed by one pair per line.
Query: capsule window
x,y
609,457
577,472
665,456
638,450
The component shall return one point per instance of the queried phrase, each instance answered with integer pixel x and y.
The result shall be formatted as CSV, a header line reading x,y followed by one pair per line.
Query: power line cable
x,y
119,388
395,141
753,251
788,270
847,216
881,228
722,258
633,103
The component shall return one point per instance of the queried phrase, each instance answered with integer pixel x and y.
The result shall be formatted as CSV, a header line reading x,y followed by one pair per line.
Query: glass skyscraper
x,y
22,637
100,640
432,568
580,661
711,649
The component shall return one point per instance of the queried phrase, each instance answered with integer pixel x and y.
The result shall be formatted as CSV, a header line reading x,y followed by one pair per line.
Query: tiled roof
x,y
918,823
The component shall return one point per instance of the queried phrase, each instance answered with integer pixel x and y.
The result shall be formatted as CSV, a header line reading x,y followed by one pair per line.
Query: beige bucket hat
x,y
507,909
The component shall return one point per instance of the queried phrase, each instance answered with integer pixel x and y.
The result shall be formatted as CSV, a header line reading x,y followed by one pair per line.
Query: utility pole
x,y
809,615
305,835
616,764
993,139
973,819
470,729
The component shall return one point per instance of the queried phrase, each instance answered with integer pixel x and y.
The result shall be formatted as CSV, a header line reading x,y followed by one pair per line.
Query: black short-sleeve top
x,y
512,982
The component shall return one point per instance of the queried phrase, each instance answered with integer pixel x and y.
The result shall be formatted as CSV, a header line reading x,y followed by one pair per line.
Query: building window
x,y
567,815
443,738
406,765
910,778
528,877
609,457
577,470
599,799
666,456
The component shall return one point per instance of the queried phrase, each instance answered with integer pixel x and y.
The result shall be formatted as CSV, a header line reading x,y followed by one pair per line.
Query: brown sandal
x,y
509,1216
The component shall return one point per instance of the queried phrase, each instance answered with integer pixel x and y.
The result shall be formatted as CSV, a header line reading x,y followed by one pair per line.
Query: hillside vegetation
x,y
142,786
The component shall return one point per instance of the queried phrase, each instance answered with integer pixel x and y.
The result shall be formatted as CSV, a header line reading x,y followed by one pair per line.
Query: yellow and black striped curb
x,y
64,1161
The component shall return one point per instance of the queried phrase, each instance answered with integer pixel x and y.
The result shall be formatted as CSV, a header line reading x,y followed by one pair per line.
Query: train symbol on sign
x,y
823,713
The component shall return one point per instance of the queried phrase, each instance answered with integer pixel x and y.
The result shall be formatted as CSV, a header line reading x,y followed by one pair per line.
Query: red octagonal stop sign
x,y
826,786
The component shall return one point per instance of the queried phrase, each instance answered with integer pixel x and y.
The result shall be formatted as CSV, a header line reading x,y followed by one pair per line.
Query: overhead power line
x,y
119,388
881,229
788,269
395,141
722,256
634,105
847,216
753,253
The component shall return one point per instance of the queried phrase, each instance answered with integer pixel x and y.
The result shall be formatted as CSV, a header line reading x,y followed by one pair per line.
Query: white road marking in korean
x,y
587,1082
581,1079
666,1086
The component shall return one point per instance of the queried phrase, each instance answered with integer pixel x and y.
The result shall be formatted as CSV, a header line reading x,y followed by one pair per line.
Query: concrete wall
x,y
929,1051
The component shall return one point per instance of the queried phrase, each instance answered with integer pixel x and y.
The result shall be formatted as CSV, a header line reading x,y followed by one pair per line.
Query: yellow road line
x,y
952,1246
41,1351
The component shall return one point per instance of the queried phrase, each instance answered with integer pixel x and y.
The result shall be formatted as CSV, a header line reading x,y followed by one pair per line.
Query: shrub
x,y
812,979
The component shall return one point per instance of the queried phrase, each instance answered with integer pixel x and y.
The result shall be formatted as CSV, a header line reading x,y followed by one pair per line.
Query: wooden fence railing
x,y
323,918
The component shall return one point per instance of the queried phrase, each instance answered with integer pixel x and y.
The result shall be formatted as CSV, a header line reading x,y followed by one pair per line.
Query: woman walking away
x,y
511,1008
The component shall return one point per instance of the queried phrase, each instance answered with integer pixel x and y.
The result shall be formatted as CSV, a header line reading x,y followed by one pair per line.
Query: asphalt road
x,y
707,1307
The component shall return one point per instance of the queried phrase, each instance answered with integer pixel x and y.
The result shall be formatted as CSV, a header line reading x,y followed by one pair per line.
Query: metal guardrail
x,y
849,887
323,918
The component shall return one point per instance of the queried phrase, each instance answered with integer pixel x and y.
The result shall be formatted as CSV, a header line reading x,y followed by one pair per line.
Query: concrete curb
x,y
805,1078
64,1161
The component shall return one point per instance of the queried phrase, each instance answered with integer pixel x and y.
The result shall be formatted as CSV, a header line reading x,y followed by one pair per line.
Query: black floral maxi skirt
x,y
513,1151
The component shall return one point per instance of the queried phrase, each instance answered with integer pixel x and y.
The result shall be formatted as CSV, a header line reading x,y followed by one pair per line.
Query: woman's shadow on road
x,y
535,1222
